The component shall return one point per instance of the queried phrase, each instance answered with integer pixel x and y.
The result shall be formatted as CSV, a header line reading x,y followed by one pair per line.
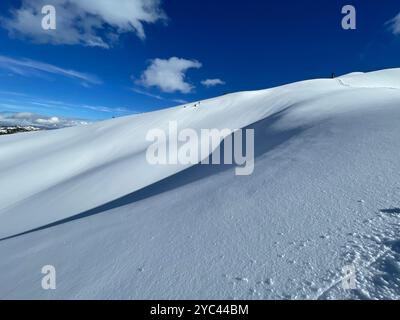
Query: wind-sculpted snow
x,y
323,196
101,162
379,79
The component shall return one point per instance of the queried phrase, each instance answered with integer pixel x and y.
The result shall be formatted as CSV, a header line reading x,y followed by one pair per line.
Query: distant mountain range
x,y
17,129
26,121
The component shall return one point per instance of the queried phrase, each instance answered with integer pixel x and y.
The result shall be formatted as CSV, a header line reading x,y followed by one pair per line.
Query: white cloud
x,y
21,115
169,75
212,82
394,25
87,22
27,67
48,121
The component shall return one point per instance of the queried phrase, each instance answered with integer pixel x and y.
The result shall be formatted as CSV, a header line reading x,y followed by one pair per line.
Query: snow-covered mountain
x,y
17,129
325,194
29,121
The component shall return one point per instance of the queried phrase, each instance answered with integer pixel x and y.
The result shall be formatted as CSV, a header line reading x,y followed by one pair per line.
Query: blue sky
x,y
113,58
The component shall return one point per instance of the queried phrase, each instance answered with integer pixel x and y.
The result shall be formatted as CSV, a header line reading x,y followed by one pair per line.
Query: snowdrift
x,y
327,160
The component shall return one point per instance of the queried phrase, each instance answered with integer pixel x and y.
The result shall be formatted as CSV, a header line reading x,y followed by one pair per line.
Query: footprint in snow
x,y
240,279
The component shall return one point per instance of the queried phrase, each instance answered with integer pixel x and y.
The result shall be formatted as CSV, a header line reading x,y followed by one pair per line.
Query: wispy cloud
x,y
18,102
169,75
212,82
29,68
394,25
148,94
106,109
181,101
156,96
94,23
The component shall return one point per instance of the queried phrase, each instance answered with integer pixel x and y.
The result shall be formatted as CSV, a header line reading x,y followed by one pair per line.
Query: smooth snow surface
x,y
325,194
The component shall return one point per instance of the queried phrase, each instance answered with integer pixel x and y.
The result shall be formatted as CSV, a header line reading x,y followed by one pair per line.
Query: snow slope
x,y
324,195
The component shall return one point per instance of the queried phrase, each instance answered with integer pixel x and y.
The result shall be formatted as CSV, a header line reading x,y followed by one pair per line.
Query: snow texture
x,y
325,194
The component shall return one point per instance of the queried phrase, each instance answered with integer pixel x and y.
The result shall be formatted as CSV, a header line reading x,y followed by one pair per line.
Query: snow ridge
x,y
324,195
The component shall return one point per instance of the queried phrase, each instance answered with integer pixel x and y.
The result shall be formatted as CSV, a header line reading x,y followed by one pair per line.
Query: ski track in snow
x,y
344,84
369,268
374,280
